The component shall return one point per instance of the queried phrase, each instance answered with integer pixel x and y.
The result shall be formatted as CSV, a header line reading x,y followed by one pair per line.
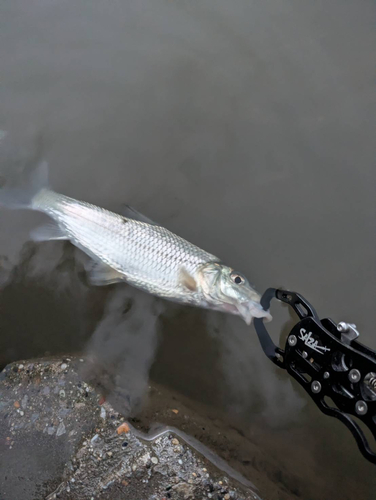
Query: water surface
x,y
245,127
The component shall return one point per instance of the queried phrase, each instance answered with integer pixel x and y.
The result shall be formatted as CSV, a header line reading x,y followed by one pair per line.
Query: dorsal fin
x,y
131,213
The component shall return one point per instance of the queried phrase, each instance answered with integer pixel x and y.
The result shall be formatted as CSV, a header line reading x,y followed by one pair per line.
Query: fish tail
x,y
19,190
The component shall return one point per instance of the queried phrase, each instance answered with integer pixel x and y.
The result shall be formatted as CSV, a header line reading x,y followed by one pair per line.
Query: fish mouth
x,y
250,310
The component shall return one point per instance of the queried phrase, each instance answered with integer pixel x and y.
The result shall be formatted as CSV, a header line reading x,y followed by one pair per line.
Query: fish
x,y
131,248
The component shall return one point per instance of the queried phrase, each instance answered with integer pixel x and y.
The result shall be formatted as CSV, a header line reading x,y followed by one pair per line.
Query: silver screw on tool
x,y
326,375
345,327
348,331
293,340
361,407
354,375
342,326
316,386
305,354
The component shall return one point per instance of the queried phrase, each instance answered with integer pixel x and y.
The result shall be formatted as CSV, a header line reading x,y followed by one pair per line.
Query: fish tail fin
x,y
19,189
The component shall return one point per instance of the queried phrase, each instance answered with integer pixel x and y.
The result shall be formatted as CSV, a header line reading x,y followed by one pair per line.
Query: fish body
x,y
147,256
139,252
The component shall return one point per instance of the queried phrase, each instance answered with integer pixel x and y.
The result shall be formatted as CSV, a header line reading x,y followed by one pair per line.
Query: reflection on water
x,y
244,127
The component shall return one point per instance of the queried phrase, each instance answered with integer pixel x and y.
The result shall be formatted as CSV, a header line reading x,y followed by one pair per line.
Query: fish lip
x,y
250,310
245,311
267,317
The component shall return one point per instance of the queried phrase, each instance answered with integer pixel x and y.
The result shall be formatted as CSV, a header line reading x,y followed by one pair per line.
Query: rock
x,y
46,391
34,417
61,429
186,491
79,451
123,428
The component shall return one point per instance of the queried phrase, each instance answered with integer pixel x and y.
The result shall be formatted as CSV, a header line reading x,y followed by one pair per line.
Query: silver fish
x,y
136,250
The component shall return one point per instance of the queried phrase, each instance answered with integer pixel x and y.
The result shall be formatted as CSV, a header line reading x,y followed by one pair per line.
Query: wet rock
x,y
61,429
186,491
123,428
82,450
64,412
46,391
34,418
94,439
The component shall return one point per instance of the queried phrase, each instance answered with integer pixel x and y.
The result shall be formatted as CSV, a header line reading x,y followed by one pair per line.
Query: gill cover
x,y
229,291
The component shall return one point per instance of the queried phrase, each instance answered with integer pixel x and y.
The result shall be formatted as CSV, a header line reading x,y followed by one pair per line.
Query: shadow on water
x,y
188,348
49,310
122,348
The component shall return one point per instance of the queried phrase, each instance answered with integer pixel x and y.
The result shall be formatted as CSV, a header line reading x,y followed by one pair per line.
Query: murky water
x,y
245,127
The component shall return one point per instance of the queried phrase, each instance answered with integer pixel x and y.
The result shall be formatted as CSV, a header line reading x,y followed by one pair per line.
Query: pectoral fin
x,y
100,274
47,232
187,280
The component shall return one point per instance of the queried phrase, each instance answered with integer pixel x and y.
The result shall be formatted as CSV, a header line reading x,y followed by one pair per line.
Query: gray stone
x,y
87,458
61,429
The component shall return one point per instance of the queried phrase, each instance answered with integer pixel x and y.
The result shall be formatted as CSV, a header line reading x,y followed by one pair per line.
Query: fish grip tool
x,y
335,369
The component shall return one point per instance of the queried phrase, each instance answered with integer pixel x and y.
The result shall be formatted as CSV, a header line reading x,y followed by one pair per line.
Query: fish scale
x,y
149,256
134,249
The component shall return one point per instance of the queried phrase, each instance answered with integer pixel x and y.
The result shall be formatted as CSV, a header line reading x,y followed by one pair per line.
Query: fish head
x,y
229,291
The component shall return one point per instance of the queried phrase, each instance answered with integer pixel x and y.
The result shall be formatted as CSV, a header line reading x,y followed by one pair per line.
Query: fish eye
x,y
237,278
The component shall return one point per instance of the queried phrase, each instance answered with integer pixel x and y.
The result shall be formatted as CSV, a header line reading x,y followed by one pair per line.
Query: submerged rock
x,y
69,446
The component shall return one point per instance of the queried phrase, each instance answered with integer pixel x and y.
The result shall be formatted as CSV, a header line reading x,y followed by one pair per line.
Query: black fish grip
x,y
337,371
